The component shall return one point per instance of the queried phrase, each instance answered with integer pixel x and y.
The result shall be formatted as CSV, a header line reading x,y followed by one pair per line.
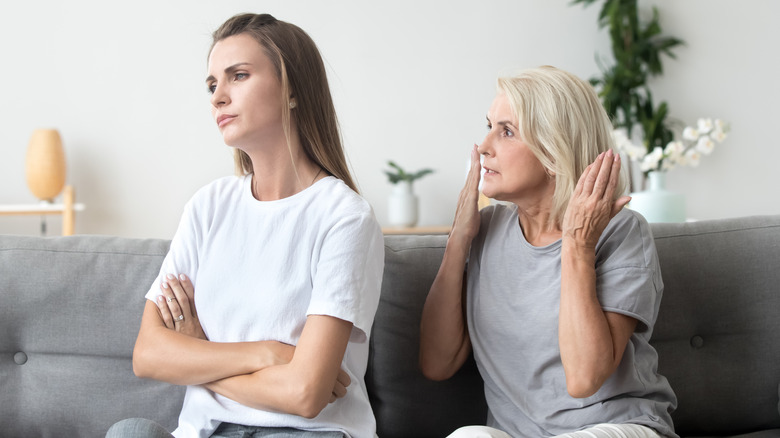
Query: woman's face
x,y
512,171
246,100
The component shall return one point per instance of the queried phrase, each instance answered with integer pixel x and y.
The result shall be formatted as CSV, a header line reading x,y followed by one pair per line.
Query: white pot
x,y
402,205
656,203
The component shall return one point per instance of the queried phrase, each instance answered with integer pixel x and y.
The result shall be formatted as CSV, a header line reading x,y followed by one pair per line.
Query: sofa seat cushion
x,y
70,308
717,341
406,404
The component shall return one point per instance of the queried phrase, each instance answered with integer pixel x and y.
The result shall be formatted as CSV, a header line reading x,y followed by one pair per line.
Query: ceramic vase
x,y
402,205
656,203
45,165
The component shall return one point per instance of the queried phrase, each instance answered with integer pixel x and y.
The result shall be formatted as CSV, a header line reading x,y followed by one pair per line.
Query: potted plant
x,y
403,204
637,49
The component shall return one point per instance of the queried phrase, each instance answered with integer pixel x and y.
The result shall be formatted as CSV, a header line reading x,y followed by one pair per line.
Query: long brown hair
x,y
301,73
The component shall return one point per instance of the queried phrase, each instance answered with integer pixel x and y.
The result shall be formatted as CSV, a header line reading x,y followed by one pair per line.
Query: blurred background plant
x,y
637,49
398,174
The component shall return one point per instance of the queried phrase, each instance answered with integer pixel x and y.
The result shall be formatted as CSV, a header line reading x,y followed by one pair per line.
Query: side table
x,y
67,209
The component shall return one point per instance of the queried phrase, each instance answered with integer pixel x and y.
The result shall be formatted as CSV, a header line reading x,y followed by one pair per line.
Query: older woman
x,y
556,290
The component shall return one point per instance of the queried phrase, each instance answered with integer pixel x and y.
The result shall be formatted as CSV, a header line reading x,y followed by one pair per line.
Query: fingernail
x,y
170,277
160,298
182,277
165,285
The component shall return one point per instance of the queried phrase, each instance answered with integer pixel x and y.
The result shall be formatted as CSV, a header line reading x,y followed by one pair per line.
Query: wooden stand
x,y
67,209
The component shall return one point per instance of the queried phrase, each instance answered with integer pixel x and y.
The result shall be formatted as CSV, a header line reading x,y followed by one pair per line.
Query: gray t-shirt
x,y
513,302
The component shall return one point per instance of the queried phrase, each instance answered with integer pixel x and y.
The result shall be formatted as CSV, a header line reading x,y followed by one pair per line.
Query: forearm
x,y
166,355
279,389
584,335
304,385
444,339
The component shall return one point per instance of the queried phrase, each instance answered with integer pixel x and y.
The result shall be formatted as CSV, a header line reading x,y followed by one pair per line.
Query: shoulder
x,y
339,201
220,186
214,196
628,237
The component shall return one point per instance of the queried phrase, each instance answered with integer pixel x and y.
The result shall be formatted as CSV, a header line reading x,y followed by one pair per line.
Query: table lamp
x,y
45,164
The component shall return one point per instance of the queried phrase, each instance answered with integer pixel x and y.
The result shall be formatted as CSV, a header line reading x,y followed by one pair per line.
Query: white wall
x,y
412,82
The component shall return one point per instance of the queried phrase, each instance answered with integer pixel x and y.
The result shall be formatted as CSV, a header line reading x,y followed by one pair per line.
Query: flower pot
x,y
402,205
656,203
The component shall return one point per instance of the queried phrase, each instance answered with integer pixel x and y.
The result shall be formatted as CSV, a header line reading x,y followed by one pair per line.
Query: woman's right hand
x,y
177,306
466,223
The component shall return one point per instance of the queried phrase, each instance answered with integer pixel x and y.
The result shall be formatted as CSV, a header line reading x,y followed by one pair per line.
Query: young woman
x,y
264,304
562,286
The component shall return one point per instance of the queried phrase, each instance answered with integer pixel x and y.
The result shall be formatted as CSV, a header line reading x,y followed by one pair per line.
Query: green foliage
x,y
637,49
401,175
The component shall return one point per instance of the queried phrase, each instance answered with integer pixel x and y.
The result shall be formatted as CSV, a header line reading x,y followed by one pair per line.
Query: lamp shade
x,y
45,164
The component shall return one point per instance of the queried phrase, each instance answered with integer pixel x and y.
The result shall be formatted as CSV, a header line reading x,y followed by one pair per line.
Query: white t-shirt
x,y
259,268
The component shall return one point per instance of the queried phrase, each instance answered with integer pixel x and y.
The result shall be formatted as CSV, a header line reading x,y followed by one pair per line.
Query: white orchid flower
x,y
705,145
704,125
718,135
690,133
692,156
651,160
674,149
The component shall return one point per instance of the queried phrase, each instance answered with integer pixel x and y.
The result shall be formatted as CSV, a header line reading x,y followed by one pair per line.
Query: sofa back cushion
x,y
70,309
718,330
407,404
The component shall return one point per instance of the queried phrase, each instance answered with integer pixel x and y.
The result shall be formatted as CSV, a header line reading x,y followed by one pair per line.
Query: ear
x,y
293,103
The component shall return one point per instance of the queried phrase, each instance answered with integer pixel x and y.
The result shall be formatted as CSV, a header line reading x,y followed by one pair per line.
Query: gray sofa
x,y
70,310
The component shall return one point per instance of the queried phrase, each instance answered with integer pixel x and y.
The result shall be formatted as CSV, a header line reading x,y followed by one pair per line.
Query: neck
x,y
280,171
534,220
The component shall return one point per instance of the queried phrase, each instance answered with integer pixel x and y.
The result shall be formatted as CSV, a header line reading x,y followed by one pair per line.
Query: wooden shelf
x,y
67,209
437,229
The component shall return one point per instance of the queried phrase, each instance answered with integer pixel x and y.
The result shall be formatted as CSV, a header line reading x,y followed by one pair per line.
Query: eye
x,y
212,88
240,76
508,133
489,126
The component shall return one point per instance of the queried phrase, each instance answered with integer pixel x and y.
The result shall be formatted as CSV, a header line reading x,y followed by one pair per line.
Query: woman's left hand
x,y
591,206
177,306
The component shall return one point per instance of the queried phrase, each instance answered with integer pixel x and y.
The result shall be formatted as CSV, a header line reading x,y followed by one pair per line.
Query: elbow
x,y
581,389
433,370
584,385
309,400
140,365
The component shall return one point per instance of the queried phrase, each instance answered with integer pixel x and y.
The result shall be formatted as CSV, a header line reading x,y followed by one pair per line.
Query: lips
x,y
489,171
224,119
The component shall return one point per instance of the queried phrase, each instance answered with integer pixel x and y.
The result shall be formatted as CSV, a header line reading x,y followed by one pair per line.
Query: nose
x,y
219,97
486,147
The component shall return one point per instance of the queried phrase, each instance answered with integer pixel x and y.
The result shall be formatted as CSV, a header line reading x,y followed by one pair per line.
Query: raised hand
x,y
592,206
466,221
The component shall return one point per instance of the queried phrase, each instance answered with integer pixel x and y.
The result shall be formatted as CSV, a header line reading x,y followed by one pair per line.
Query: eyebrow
x,y
502,123
228,70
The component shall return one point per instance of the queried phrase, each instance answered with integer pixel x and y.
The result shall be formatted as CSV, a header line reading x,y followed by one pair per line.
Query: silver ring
x,y
180,318
171,299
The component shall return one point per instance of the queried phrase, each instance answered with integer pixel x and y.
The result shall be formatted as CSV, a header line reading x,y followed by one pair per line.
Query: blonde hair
x,y
305,91
563,123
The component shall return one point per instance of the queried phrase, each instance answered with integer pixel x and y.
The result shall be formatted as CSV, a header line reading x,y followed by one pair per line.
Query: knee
x,y
478,432
137,428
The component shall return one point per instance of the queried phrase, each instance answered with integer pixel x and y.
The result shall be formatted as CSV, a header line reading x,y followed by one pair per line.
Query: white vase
x,y
656,203
402,205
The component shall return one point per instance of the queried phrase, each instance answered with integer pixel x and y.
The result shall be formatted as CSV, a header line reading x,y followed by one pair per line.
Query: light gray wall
x,y
412,81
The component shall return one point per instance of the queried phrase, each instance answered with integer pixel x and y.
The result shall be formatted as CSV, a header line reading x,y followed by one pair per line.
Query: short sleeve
x,y
348,273
182,257
628,277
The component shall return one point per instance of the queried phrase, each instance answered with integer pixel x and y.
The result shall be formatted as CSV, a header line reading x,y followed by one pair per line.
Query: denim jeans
x,y
143,428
